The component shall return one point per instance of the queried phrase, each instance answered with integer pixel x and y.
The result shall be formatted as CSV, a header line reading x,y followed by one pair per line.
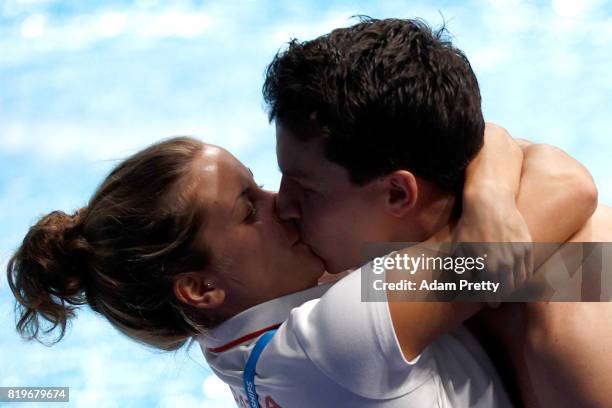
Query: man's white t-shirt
x,y
333,350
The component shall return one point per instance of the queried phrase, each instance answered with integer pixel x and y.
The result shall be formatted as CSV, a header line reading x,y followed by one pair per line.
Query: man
x,y
376,124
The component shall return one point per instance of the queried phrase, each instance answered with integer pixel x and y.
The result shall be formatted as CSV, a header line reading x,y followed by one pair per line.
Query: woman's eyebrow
x,y
242,194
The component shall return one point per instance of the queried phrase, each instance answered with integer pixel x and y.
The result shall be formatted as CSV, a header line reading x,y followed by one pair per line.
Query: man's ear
x,y
400,192
198,290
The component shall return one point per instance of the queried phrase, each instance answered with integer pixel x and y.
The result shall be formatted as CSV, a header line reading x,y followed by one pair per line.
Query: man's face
x,y
334,216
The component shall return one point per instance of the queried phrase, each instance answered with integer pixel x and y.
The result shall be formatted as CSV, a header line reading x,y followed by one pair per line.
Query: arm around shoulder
x,y
557,194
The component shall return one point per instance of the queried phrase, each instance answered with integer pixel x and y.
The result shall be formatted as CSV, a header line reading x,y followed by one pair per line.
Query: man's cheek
x,y
311,219
322,221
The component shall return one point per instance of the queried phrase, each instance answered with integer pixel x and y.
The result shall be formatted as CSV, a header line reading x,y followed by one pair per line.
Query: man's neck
x,y
444,234
436,216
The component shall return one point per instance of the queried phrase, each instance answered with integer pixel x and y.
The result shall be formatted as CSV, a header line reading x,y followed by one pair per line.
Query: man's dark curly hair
x,y
386,95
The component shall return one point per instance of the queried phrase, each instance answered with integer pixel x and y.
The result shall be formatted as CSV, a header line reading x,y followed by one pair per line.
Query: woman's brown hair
x,y
119,254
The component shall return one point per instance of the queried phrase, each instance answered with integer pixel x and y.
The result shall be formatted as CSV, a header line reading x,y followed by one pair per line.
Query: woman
x,y
179,243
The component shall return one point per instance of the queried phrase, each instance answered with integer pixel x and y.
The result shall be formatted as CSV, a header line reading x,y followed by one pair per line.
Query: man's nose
x,y
285,206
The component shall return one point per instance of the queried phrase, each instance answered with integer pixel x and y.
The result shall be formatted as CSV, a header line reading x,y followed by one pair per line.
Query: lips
x,y
310,248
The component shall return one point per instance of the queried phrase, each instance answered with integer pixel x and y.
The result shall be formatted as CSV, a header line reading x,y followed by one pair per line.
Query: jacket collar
x,y
256,320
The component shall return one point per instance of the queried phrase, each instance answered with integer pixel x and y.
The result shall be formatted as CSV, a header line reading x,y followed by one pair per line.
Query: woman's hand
x,y
549,183
490,215
556,196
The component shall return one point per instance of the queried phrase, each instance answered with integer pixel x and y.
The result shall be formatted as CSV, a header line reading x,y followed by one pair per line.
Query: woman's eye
x,y
252,213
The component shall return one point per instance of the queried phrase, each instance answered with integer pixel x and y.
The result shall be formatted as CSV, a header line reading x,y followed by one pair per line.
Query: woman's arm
x,y
557,193
560,191
552,185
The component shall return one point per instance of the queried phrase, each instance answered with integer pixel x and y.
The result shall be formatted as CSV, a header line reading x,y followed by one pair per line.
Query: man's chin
x,y
339,267
332,269
329,265
342,271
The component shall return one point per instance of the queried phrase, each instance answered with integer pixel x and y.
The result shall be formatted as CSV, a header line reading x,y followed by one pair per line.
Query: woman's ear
x,y
198,290
400,192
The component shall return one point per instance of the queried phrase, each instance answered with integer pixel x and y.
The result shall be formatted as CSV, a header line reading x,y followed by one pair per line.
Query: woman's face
x,y
255,255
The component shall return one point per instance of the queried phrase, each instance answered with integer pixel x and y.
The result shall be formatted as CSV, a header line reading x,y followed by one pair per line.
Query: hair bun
x,y
48,273
56,244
